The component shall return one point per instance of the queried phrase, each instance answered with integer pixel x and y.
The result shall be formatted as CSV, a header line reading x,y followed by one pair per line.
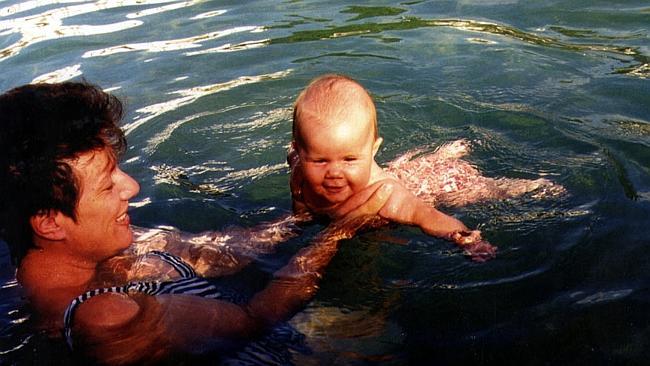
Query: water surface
x,y
554,89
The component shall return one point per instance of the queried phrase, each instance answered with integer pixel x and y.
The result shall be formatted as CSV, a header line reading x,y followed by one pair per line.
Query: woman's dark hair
x,y
42,126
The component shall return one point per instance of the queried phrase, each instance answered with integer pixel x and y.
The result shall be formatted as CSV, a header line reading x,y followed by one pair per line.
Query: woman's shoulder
x,y
40,272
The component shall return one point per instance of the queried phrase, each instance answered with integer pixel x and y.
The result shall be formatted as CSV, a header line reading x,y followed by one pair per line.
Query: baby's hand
x,y
473,245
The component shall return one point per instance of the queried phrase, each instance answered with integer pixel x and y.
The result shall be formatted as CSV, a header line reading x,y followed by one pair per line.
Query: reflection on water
x,y
49,24
232,179
61,75
190,95
172,45
409,23
542,89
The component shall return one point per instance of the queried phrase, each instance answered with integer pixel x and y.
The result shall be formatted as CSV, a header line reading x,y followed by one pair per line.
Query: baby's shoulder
x,y
377,174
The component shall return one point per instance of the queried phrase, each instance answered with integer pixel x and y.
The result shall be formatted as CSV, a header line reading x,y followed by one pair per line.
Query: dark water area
x,y
552,89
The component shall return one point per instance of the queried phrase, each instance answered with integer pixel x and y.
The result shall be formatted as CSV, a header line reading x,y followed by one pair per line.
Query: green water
x,y
554,89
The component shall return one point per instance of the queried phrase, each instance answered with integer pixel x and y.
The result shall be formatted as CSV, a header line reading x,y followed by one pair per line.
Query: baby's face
x,y
336,159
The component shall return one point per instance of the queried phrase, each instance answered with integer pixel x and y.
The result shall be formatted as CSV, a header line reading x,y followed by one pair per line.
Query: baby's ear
x,y
376,145
46,225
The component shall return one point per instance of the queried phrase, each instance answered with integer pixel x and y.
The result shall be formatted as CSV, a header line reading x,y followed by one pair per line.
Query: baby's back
x,y
442,178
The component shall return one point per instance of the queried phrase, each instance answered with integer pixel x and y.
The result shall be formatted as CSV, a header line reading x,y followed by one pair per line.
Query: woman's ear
x,y
45,225
376,145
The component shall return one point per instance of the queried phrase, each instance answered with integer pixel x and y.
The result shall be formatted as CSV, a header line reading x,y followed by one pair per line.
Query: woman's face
x,y
102,225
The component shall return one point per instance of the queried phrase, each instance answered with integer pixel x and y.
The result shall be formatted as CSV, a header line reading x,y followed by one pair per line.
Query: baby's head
x,y
330,100
335,135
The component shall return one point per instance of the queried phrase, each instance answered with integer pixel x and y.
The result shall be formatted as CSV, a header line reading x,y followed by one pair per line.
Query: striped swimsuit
x,y
274,349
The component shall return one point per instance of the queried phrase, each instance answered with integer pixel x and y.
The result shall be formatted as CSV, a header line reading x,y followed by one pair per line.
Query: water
x,y
555,89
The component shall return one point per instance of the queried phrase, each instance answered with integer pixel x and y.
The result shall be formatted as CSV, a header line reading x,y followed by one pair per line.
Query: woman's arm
x,y
225,252
211,254
119,329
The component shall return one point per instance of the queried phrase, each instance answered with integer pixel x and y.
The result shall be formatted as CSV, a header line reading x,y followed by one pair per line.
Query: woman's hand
x,y
367,201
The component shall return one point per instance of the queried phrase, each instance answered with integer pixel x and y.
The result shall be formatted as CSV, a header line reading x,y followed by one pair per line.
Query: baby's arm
x,y
405,208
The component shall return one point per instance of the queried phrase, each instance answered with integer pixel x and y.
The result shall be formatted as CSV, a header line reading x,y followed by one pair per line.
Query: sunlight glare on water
x,y
540,89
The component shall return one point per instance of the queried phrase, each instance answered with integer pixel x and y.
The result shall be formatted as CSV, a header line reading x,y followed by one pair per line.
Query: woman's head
x,y
42,127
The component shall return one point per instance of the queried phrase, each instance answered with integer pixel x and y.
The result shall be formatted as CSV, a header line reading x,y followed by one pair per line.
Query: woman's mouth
x,y
123,219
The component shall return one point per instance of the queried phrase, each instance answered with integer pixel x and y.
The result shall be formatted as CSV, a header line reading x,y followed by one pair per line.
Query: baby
x,y
333,168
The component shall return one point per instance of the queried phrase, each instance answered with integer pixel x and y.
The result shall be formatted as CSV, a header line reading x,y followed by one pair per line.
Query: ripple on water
x,y
638,69
60,75
232,179
512,125
169,45
49,24
600,296
189,96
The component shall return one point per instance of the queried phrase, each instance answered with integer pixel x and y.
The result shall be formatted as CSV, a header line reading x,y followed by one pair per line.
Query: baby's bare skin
x,y
442,178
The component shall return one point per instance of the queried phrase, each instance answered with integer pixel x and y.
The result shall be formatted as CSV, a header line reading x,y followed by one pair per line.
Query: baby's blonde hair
x,y
328,93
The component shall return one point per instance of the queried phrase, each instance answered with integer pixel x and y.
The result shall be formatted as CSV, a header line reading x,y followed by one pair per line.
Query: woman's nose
x,y
129,187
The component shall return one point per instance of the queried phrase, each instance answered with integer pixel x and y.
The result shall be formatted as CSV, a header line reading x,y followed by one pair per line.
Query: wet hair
x,y
42,126
324,88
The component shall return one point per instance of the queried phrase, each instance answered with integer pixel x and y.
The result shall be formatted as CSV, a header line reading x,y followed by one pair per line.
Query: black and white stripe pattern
x,y
188,284
184,269
274,349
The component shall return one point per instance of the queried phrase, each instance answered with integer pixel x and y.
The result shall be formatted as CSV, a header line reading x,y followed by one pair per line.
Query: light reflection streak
x,y
21,345
169,45
261,119
20,320
237,179
603,296
208,14
45,31
162,136
188,96
165,174
48,25
348,34
480,40
60,75
10,284
141,203
161,9
29,5
228,47
179,176
641,71
252,173
494,282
